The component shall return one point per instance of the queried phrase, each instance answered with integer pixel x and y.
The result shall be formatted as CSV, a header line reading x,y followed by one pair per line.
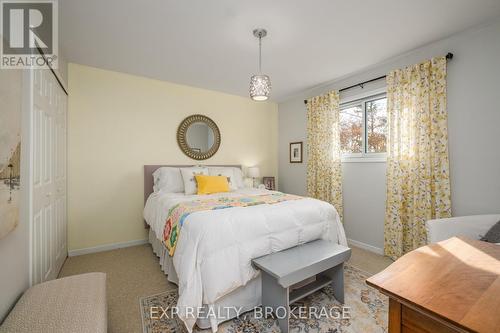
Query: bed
x,y
212,260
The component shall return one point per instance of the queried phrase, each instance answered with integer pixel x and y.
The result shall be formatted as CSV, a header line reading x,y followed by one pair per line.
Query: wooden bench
x,y
281,270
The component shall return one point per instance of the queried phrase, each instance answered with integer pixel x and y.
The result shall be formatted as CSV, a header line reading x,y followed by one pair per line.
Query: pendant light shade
x,y
260,87
260,84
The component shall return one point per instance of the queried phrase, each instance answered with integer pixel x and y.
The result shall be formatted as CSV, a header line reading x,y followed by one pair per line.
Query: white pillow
x,y
226,172
168,179
190,186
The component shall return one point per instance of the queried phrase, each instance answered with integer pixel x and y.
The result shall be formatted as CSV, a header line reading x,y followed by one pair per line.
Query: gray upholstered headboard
x,y
148,175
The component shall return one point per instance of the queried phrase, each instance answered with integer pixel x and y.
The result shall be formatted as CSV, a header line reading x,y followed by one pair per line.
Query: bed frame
x,y
148,177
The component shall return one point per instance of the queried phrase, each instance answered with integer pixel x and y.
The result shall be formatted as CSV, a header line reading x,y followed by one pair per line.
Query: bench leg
x,y
337,275
276,297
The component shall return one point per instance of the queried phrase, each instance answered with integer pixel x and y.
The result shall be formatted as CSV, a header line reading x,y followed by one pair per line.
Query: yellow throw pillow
x,y
211,184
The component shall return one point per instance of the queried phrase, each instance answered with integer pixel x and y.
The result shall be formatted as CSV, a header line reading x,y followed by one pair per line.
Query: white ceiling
x,y
209,44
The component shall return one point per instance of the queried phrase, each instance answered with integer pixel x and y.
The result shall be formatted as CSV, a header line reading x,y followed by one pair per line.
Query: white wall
x,y
118,123
473,120
14,248
14,263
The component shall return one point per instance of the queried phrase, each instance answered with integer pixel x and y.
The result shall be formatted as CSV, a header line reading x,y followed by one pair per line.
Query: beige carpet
x,y
367,261
134,272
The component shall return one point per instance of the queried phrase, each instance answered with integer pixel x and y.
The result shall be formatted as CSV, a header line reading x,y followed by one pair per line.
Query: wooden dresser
x,y
450,286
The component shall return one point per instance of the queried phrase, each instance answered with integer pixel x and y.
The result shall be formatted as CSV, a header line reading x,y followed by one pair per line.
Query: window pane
x,y
376,123
351,130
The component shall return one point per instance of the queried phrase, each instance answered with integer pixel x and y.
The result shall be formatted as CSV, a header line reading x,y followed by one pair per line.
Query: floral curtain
x,y
418,177
324,180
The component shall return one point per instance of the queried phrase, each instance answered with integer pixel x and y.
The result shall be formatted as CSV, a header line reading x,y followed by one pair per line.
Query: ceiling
x,y
209,44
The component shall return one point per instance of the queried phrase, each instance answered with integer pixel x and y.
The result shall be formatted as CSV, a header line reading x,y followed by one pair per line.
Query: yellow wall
x,y
118,123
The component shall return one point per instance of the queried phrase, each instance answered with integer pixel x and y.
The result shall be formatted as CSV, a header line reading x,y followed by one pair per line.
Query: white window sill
x,y
363,159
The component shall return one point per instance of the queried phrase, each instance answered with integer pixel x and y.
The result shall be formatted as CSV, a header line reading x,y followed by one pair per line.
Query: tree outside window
x,y
363,127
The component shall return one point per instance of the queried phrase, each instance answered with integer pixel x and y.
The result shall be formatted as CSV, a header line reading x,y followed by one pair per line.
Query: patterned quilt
x,y
178,213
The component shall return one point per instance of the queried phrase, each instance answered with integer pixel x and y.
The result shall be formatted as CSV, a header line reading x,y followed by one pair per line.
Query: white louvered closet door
x,y
48,220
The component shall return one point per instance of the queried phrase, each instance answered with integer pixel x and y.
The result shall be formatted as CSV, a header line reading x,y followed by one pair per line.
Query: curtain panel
x,y
418,177
324,173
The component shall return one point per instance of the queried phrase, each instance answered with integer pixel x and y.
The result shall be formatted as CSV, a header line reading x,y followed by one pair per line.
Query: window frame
x,y
362,100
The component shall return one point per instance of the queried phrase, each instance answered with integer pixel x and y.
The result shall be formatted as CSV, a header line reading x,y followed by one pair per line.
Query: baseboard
x,y
365,246
107,247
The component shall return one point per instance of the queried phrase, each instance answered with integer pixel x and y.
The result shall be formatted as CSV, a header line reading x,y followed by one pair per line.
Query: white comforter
x,y
215,248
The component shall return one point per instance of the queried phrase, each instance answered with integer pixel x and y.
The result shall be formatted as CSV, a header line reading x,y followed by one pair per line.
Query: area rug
x,y
365,311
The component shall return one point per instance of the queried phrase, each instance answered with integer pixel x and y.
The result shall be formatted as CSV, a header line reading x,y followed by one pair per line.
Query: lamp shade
x,y
253,172
260,87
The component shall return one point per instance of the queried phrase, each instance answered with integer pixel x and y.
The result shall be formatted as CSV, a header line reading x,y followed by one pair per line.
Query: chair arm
x,y
474,227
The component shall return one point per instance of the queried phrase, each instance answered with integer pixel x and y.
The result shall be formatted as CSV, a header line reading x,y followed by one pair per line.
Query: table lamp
x,y
253,172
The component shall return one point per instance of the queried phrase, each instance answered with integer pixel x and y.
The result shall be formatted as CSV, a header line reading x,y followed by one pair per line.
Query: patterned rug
x,y
365,311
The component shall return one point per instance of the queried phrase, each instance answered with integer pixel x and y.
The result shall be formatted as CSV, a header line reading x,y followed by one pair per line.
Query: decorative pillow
x,y
189,180
226,172
493,235
168,179
212,184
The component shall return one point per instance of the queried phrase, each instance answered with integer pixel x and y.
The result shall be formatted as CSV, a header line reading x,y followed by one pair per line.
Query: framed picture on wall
x,y
296,152
269,183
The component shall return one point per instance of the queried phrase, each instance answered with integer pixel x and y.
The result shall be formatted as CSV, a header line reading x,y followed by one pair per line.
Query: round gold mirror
x,y
198,137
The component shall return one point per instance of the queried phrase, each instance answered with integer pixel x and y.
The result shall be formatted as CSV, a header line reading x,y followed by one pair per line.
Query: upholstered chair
x,y
473,227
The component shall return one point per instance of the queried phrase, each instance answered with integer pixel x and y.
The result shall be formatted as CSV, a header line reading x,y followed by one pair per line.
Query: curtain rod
x,y
449,56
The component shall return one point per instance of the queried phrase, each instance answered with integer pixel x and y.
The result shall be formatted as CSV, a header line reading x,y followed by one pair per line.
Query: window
x,y
363,127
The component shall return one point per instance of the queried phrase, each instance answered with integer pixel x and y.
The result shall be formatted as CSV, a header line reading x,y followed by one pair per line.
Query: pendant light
x,y
260,84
